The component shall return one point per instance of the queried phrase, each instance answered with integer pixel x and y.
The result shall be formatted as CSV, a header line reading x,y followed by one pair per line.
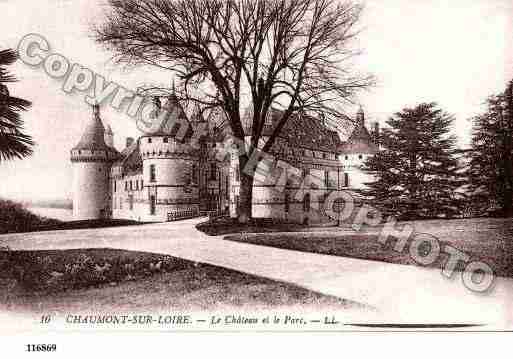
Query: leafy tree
x,y
13,142
416,173
490,168
291,55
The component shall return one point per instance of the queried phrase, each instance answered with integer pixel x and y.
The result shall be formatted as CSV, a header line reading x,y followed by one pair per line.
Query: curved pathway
x,y
401,294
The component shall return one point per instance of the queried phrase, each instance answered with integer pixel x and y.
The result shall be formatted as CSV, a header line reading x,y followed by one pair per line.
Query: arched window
x,y
346,179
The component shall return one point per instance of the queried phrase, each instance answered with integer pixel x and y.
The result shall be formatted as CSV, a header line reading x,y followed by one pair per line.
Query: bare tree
x,y
290,55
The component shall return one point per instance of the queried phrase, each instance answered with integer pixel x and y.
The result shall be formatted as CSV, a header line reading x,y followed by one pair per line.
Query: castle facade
x,y
158,178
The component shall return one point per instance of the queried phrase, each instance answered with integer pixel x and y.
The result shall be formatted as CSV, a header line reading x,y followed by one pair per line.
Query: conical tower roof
x,y
174,117
173,106
93,137
360,140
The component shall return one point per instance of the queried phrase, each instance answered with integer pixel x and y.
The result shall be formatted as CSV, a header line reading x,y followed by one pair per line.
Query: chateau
x,y
158,178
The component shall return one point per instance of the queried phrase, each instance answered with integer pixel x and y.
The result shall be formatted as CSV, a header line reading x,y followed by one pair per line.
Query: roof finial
x,y
96,109
361,116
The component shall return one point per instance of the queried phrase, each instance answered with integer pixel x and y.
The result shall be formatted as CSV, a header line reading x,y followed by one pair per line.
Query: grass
x,y
366,246
87,224
76,281
226,225
14,218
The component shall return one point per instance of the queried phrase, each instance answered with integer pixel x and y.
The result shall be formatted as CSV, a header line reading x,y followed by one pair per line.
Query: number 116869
x,y
41,347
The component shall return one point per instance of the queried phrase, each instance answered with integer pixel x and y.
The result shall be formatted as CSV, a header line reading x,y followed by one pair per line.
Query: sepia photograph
x,y
255,167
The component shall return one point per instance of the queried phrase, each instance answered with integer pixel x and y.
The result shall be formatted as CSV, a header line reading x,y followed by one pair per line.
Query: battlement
x,y
93,156
166,147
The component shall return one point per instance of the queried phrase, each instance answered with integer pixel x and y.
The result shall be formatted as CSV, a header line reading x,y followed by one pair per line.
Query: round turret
x,y
91,159
171,165
355,151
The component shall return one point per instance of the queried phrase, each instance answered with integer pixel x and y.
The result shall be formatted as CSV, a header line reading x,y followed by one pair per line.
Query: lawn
x,y
226,225
14,218
108,280
485,240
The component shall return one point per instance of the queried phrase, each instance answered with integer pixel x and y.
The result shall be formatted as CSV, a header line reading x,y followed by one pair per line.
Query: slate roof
x,y
131,160
175,110
360,140
93,137
302,131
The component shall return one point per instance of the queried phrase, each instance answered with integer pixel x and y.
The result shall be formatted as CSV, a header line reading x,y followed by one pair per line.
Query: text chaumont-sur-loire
x,y
130,319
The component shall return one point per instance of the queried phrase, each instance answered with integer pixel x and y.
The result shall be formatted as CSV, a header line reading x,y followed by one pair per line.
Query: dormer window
x,y
149,140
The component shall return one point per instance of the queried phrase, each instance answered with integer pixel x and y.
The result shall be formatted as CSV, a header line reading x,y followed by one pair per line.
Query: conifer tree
x,y
490,169
416,172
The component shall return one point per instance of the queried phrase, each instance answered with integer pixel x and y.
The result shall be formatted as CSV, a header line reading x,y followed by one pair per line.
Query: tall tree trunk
x,y
246,194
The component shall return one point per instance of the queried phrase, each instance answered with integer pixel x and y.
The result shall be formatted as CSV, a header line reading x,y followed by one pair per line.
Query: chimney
x,y
129,141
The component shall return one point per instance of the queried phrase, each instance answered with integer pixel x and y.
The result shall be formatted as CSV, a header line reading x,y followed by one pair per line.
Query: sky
x,y
454,52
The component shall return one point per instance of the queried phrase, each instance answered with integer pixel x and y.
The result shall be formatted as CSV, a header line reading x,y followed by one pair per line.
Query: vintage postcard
x,y
290,166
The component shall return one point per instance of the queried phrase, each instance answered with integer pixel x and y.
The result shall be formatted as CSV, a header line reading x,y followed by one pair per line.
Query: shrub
x,y
15,218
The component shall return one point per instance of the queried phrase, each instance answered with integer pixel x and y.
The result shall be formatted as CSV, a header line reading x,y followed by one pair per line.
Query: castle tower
x,y
91,159
170,166
355,151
